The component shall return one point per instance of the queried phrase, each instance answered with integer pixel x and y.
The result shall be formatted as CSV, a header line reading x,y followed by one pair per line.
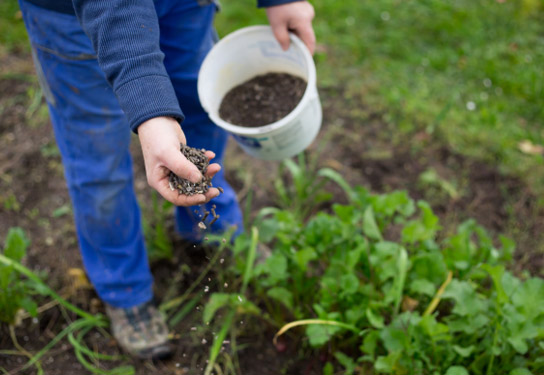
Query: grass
x,y
468,72
12,30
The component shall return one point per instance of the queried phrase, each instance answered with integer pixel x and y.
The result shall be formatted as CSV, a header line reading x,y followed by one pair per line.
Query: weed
x,y
15,293
12,270
37,113
159,244
237,303
302,192
435,185
10,202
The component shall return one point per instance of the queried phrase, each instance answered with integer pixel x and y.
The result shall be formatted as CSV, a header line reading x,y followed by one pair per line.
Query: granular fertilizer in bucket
x,y
262,100
253,52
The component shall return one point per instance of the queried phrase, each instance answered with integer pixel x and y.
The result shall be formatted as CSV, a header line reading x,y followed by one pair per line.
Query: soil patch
x,y
262,100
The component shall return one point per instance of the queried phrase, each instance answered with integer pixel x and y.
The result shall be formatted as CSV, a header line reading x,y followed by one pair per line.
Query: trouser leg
x,y
187,35
93,138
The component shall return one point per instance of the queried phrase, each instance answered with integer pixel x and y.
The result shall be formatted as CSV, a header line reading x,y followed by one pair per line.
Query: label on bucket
x,y
250,142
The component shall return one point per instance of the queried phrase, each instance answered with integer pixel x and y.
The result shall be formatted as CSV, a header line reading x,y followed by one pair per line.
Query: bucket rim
x,y
309,93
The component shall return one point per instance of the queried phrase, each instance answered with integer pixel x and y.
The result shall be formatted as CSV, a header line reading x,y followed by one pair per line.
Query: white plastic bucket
x,y
245,54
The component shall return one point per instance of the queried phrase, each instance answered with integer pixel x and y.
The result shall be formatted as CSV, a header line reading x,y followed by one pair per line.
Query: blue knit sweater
x,y
130,55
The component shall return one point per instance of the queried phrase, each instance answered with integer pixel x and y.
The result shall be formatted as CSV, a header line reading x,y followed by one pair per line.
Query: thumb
x,y
175,161
282,35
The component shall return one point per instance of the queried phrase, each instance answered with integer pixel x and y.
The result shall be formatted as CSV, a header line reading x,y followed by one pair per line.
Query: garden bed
x,y
355,142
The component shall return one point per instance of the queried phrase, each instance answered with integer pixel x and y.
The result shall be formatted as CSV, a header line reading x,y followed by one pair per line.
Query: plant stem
x,y
250,259
492,359
16,342
22,350
434,303
306,322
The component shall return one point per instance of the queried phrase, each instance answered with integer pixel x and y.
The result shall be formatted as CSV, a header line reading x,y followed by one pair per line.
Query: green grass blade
x,y
81,349
281,192
186,309
400,279
336,177
78,324
218,342
250,259
225,327
121,370
78,343
265,212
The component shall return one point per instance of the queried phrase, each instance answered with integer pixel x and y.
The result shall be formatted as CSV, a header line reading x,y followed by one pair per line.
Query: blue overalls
x,y
93,137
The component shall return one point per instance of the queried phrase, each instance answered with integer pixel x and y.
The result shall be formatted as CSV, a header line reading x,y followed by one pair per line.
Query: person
x,y
110,66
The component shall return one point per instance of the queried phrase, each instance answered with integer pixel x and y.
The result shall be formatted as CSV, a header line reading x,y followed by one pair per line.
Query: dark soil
x,y
262,100
355,140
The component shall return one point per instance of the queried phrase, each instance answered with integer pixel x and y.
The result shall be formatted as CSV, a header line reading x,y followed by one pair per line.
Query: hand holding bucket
x,y
245,54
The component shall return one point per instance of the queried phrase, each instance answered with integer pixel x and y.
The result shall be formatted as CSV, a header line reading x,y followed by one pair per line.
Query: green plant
x,y
435,185
18,283
36,113
159,243
12,30
10,203
236,303
15,292
302,192
374,275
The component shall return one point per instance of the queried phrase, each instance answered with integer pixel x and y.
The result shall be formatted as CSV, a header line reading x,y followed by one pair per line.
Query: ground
x,y
418,96
355,143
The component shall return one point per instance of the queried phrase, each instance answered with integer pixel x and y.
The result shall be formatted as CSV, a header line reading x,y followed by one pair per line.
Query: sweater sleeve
x,y
125,36
271,3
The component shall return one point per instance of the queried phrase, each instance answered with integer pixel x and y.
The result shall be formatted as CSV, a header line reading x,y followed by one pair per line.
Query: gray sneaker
x,y
140,330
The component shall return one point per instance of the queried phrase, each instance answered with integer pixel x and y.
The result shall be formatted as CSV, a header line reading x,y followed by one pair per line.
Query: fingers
x,y
175,161
281,33
160,138
163,187
210,154
186,200
295,16
306,33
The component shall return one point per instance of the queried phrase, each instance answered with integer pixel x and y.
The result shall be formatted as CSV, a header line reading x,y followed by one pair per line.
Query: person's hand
x,y
160,139
296,17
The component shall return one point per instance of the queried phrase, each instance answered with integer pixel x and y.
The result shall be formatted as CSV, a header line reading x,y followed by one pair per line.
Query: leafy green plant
x,y
374,275
15,292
